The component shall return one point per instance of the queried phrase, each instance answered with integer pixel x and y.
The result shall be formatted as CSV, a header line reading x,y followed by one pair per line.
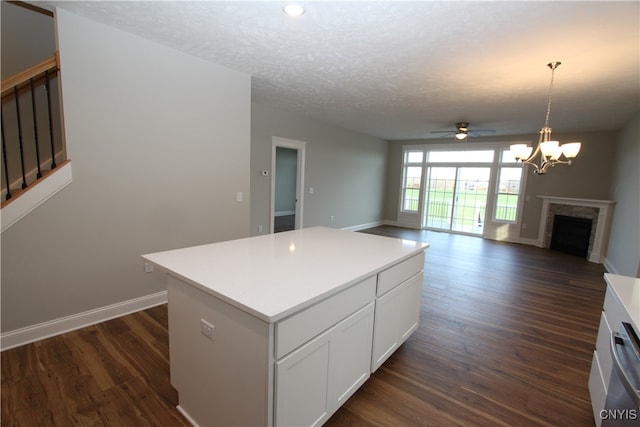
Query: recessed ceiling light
x,y
293,10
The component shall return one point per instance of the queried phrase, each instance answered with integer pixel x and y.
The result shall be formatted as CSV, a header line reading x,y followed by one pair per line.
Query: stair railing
x,y
15,145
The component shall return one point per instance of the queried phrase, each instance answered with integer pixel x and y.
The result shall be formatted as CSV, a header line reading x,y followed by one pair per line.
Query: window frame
x,y
406,164
507,164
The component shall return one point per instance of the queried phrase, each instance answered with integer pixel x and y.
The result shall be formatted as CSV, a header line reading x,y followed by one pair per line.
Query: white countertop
x,y
274,275
627,290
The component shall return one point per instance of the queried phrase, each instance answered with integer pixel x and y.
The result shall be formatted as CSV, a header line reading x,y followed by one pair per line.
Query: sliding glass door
x,y
456,198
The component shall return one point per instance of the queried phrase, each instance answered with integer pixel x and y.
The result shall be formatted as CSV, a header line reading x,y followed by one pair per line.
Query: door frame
x,y
300,147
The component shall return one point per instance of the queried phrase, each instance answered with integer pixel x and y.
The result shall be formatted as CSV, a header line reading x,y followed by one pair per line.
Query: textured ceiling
x,y
399,70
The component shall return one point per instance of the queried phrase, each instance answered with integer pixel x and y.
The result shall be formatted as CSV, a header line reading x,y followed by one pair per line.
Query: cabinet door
x,y
302,384
350,356
397,316
315,380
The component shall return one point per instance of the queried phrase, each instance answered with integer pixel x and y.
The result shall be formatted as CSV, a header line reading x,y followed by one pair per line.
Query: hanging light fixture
x,y
550,151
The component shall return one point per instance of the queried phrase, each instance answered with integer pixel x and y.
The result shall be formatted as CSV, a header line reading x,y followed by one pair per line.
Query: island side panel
x,y
226,380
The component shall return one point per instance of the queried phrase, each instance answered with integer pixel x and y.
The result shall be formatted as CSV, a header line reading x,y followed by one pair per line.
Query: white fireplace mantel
x,y
603,224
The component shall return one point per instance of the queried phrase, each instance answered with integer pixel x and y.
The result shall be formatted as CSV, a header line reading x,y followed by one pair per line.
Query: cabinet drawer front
x,y
393,276
603,348
614,311
597,389
301,327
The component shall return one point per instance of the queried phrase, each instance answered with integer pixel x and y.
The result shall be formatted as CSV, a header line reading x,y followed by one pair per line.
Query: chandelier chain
x,y
553,66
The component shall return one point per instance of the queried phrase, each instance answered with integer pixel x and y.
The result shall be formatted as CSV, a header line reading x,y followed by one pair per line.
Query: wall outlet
x,y
148,267
206,329
260,228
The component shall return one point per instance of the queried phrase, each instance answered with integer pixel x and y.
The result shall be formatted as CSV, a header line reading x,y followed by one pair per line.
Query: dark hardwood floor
x,y
506,339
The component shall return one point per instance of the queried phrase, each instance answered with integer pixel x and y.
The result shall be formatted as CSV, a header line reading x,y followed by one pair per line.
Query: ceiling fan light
x,y
571,149
293,10
461,135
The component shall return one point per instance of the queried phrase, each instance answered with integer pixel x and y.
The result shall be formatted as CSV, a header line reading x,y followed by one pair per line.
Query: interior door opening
x,y
284,215
287,184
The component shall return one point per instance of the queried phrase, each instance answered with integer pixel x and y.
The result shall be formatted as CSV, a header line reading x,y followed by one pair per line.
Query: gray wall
x,y
159,142
27,38
347,170
590,176
623,256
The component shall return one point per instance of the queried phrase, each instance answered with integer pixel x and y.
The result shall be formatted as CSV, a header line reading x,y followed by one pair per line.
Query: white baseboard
x,y
55,327
609,267
363,226
187,416
284,213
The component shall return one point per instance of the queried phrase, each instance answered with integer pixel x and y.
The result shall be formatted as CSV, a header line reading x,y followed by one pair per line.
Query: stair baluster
x,y
47,88
35,128
4,156
24,176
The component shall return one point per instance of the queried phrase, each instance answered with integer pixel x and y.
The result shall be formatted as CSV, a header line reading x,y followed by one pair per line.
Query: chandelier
x,y
551,152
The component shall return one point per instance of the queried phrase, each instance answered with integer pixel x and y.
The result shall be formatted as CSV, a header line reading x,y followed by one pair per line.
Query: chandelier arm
x,y
533,155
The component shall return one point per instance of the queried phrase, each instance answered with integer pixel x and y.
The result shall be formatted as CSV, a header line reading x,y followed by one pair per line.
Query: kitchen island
x,y
282,329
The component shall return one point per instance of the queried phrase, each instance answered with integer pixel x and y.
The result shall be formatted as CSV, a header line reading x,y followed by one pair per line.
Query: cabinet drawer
x,y
597,389
614,311
603,348
393,276
294,331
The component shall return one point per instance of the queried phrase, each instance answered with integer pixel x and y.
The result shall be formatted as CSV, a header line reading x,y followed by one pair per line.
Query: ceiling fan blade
x,y
479,132
443,131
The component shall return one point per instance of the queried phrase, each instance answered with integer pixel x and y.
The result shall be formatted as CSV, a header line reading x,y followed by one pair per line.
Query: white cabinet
x,y
397,308
316,379
397,316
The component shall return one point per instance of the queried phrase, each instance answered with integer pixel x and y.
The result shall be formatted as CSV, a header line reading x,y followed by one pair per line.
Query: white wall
x,y
159,142
347,170
623,256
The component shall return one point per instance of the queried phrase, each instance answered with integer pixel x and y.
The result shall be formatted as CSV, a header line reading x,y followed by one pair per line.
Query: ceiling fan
x,y
462,131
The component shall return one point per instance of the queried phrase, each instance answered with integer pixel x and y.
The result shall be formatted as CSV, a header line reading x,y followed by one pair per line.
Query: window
x,y
471,189
508,191
411,180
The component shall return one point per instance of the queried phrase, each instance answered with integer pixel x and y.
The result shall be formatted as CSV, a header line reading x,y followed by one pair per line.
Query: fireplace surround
x,y
599,211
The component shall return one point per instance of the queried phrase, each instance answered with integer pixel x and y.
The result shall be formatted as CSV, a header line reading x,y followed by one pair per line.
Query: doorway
x,y
287,184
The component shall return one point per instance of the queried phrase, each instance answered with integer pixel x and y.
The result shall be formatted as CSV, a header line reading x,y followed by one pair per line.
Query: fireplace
x,y
600,212
571,235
